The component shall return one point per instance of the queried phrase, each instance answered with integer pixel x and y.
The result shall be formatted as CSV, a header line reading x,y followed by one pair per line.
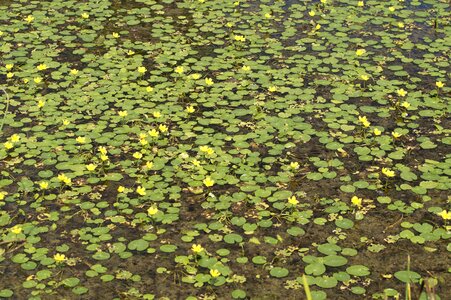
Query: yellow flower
x,y
391,8
130,52
16,229
156,114
323,1
387,172
1,33
163,128
190,109
439,84
268,16
9,75
446,215
137,155
103,157
292,200
236,3
142,70
400,24
14,138
29,18
152,210
294,165
41,103
37,80
377,131
85,15
179,70
42,67
91,167
239,38
208,181
246,68
312,13
214,273
360,3
195,76
43,185
115,35
9,66
2,195
66,122
356,201
81,140
401,92
197,248
149,89
208,81
141,190
405,104
122,113
318,26
195,162
8,145
143,142
153,133
59,257
74,72
63,178
364,77
229,24
272,89
360,52
102,150
121,189
396,134
364,121
26,80
149,165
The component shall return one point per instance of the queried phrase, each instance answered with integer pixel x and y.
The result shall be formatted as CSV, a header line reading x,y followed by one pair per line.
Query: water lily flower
x,y
292,200
81,139
142,70
318,27
360,3
356,201
179,70
392,8
446,215
377,131
91,167
149,89
42,67
63,178
41,103
142,135
163,128
272,89
312,13
122,113
152,210
360,52
58,257
229,24
195,76
197,248
387,172
103,157
130,52
405,104
102,150
246,68
190,109
400,24
364,121
396,134
239,38
37,80
156,114
137,155
9,66
401,92
115,35
143,142
141,190
9,75
294,165
29,18
2,195
208,181
8,145
364,77
14,138
268,16
153,133
74,72
17,229
149,165
195,162
439,84
208,81
120,189
43,185
85,15
214,273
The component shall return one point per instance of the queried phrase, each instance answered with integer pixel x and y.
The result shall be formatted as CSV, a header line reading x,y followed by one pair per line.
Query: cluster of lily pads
x,y
208,149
